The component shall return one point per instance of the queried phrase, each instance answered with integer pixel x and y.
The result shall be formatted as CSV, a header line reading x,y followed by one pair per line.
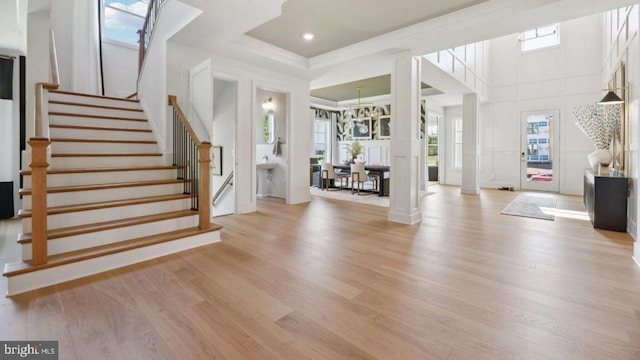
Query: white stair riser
x,y
87,121
58,221
65,147
94,101
85,241
106,161
89,196
56,275
87,110
77,179
100,134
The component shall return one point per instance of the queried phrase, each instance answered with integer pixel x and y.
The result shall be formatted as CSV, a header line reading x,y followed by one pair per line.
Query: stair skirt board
x,y
55,275
104,161
122,193
73,147
95,111
101,101
58,221
99,133
95,178
88,121
98,238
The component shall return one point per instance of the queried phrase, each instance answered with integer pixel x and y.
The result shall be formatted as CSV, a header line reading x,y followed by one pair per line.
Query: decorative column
x,y
470,153
405,140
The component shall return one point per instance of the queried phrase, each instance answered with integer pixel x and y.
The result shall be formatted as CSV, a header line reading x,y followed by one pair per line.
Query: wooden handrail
x,y
187,150
42,130
147,28
226,182
173,101
39,164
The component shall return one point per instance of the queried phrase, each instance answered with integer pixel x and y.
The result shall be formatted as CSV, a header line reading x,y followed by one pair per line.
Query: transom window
x,y
123,19
540,37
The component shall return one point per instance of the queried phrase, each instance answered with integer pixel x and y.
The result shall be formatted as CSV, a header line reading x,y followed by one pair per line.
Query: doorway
x,y
433,159
539,151
223,134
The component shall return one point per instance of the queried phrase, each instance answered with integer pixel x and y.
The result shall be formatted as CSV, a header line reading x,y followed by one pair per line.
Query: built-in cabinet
x,y
605,198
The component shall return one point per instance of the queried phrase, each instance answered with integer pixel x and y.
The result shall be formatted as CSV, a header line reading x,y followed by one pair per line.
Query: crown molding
x,y
261,48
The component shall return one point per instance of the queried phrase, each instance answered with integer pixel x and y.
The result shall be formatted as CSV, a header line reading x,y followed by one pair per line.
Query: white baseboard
x,y
38,279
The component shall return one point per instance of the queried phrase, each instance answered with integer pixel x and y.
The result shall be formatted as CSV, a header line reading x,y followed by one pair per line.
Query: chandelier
x,y
355,112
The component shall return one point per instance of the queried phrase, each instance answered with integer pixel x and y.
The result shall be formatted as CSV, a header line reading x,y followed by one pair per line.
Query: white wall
x,y
75,26
223,134
621,44
153,79
560,77
13,27
249,79
120,69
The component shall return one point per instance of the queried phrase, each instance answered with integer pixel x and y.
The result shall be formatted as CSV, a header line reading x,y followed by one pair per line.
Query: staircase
x,y
111,199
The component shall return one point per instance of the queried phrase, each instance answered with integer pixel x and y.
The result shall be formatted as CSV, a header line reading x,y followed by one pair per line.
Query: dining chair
x,y
359,176
328,173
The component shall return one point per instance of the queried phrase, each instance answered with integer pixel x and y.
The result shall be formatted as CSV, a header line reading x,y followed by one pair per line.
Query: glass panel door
x,y
539,153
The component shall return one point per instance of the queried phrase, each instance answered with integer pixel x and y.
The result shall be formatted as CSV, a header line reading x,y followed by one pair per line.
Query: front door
x,y
539,151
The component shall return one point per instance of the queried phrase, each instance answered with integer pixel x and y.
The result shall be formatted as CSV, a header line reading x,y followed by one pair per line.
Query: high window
x,y
122,20
540,37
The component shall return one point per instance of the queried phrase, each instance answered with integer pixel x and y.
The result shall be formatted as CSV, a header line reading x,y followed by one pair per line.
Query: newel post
x,y
39,167
204,190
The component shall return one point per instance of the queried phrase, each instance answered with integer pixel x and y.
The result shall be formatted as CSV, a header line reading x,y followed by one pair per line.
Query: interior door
x,y
539,151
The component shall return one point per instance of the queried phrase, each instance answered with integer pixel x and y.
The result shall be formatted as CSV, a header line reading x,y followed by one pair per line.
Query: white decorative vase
x,y
600,157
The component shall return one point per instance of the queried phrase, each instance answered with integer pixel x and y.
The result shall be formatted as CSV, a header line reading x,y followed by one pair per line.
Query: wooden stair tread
x,y
106,155
108,225
91,95
61,189
106,117
104,128
23,267
99,170
114,141
105,204
73,103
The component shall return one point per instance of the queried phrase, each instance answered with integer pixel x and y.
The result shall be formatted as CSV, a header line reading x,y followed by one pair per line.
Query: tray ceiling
x,y
339,23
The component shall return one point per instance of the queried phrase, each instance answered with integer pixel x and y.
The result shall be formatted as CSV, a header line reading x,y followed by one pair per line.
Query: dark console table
x,y
605,198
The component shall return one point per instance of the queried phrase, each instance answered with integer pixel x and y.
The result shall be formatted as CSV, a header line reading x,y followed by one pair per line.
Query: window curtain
x,y
76,28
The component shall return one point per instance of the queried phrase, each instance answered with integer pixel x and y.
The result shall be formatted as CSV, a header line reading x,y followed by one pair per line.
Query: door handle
x,y
523,158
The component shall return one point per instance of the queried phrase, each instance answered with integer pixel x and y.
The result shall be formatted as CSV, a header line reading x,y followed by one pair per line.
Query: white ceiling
x,y
339,23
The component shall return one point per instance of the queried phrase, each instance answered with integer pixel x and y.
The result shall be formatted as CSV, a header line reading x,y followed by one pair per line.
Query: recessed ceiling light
x,y
308,36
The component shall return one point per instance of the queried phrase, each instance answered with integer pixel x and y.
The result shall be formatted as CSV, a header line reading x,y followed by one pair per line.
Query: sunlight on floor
x,y
569,214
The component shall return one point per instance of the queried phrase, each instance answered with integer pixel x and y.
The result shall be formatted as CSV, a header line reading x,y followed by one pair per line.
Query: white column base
x,y
404,218
470,191
636,253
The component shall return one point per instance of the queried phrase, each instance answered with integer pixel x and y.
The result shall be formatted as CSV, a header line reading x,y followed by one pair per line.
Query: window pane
x,y
123,19
138,7
457,161
541,37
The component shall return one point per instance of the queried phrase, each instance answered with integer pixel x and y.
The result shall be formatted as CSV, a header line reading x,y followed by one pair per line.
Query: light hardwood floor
x,y
335,280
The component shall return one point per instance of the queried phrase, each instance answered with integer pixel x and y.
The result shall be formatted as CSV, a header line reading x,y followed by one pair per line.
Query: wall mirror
x,y
270,127
618,83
